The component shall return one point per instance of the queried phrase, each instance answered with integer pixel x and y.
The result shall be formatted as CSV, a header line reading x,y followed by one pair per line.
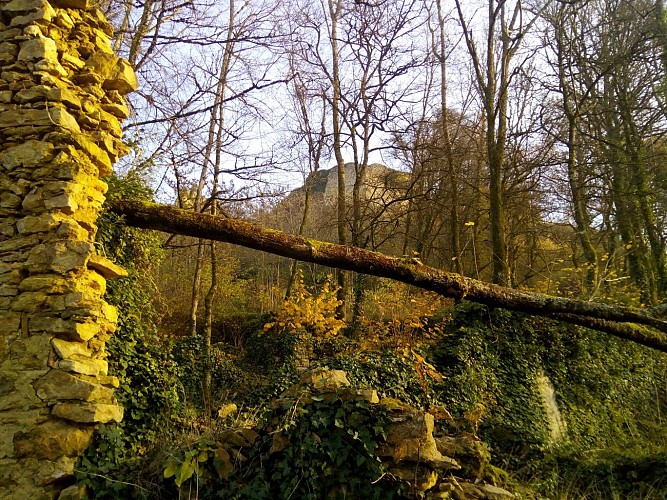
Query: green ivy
x,y
392,375
227,377
608,391
149,386
327,452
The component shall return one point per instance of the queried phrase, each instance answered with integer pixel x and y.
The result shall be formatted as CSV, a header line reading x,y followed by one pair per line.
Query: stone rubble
x,y
61,101
435,467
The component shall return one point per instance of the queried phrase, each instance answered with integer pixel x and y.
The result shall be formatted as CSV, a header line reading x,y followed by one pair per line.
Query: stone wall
x,y
61,103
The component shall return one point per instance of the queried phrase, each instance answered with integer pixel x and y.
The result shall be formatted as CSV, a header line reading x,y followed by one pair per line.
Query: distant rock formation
x,y
378,179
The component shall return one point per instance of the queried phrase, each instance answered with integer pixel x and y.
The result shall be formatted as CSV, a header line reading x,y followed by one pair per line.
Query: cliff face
x,y
378,177
61,103
381,189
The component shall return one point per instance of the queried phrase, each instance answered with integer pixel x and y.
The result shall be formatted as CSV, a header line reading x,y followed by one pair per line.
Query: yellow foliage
x,y
314,313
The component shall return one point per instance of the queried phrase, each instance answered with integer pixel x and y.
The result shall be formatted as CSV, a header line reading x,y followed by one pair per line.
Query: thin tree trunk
x,y
209,301
454,222
314,154
334,13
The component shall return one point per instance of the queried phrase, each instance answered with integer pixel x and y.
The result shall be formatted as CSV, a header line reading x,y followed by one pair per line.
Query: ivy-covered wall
x,y
61,103
610,393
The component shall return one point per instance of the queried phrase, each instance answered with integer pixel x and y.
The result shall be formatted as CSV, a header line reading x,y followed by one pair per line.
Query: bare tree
x,y
494,70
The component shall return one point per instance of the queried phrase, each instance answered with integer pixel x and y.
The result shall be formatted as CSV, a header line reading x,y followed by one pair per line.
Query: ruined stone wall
x,y
61,102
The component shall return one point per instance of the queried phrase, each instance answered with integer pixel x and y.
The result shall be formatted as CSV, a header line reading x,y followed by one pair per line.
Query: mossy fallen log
x,y
642,326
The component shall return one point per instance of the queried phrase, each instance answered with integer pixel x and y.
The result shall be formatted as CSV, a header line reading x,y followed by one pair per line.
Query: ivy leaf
x,y
170,469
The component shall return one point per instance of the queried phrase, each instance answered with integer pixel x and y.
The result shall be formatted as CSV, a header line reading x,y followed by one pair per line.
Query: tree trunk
x,y
334,12
452,170
620,321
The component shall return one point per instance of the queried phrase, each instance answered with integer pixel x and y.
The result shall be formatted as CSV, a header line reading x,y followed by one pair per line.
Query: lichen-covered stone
x,y
53,116
92,367
105,267
89,413
53,439
29,154
40,47
58,385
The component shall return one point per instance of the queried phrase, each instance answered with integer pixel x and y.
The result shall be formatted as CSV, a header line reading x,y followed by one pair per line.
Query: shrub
x,y
314,313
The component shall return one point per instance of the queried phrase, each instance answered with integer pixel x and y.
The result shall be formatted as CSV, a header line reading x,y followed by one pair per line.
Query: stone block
x,y
72,230
53,439
51,67
29,154
49,283
58,385
9,33
111,124
41,93
6,60
98,156
47,322
70,350
34,201
84,304
38,48
91,367
8,290
16,389
89,413
34,11
420,478
368,395
10,200
10,323
61,257
109,381
72,4
102,64
105,267
324,380
123,79
39,223
13,422
19,242
53,116
32,352
71,61
109,313
22,5
64,328
29,302
118,110
31,31
65,202
74,492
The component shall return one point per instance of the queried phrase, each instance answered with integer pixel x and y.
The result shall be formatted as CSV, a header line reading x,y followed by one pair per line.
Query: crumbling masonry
x,y
61,103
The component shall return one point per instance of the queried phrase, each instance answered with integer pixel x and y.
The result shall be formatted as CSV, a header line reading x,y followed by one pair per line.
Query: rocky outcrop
x,y
61,102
